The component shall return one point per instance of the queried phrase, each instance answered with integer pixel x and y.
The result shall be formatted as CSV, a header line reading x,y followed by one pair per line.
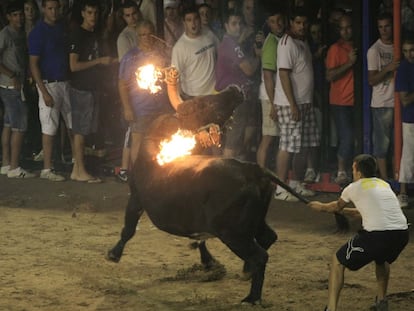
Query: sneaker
x,y
123,175
342,178
38,157
300,189
285,196
403,199
19,173
51,175
381,305
4,169
310,176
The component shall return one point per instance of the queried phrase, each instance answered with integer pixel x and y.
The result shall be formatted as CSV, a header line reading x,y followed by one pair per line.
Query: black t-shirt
x,y
88,46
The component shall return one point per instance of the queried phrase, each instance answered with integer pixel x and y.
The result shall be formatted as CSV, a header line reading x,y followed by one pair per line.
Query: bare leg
x,y
283,161
126,152
79,172
298,164
15,147
5,143
382,273
47,144
262,150
336,282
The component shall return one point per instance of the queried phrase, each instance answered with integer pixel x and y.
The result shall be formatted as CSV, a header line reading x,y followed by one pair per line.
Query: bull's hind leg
x,y
132,215
255,257
265,238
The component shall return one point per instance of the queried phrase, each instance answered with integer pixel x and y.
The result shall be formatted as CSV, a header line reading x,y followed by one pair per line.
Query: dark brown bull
x,y
200,197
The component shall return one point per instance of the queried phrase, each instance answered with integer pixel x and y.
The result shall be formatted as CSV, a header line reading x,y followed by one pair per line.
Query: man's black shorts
x,y
378,246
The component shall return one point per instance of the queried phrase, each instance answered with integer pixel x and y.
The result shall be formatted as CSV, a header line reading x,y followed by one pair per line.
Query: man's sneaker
x,y
381,305
403,199
19,173
342,178
51,175
4,169
300,189
123,175
285,196
310,176
38,157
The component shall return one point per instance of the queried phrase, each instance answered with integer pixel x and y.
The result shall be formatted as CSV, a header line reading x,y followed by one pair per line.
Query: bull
x,y
201,197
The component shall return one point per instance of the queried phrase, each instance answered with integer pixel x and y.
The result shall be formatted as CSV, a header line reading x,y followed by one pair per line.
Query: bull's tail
x,y
341,220
273,177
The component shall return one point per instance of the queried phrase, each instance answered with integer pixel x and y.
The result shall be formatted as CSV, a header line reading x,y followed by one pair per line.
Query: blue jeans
x,y
344,121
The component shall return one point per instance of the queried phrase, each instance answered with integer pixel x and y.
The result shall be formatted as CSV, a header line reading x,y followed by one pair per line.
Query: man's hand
x,y
353,56
391,67
295,112
48,99
273,112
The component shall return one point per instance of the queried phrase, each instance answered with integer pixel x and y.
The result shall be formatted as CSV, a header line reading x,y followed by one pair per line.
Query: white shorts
x,y
269,126
407,157
49,116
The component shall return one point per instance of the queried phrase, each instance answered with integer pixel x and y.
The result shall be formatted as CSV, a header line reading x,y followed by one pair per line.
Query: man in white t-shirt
x,y
194,55
384,235
293,98
381,68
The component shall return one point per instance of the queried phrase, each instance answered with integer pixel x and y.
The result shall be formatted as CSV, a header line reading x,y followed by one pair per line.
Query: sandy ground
x,y
54,237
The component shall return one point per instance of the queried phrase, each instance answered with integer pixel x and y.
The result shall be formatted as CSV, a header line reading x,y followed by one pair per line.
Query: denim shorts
x,y
345,124
382,131
85,112
15,110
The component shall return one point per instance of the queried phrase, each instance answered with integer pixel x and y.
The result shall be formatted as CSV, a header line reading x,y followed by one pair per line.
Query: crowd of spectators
x,y
67,64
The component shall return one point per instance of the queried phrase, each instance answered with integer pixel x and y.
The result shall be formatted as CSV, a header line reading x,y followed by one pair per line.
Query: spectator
x,y
234,67
13,66
86,64
340,62
194,56
383,237
49,67
404,85
293,97
381,68
127,40
173,26
141,107
31,15
270,129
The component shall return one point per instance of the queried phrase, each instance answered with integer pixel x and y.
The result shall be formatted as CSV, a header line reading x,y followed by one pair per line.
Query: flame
x,y
147,77
180,144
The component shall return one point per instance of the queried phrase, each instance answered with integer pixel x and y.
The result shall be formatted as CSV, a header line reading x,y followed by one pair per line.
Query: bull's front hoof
x,y
112,257
251,301
115,253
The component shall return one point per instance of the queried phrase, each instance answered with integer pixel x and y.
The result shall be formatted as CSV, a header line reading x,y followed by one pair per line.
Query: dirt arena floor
x,y
54,238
